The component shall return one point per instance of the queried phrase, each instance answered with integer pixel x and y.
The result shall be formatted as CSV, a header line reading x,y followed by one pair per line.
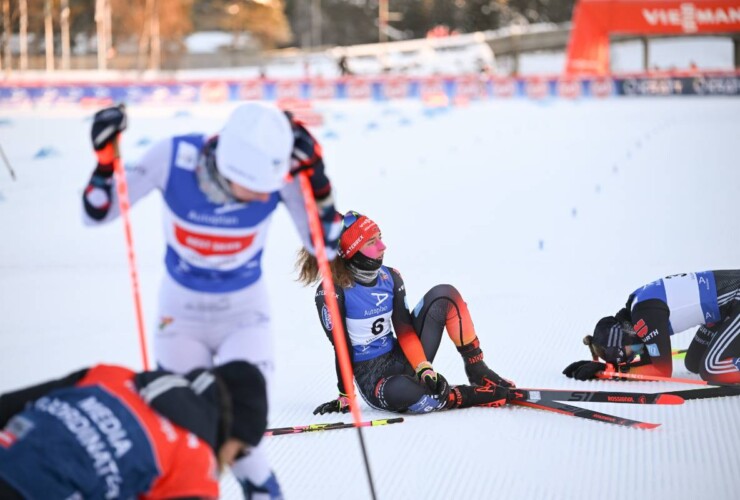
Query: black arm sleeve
x,y
326,324
401,317
651,322
12,403
173,396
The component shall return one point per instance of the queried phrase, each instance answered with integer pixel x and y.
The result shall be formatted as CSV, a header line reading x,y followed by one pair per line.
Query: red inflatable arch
x,y
595,20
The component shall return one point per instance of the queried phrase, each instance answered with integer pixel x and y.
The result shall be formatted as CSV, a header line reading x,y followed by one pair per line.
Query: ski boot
x,y
465,396
269,490
476,369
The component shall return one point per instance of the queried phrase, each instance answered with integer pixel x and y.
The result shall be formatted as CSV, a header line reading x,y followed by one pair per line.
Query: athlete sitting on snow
x,y
107,432
654,312
395,372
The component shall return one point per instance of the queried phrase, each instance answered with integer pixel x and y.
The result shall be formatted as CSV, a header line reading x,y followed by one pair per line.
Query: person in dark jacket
x,y
109,432
638,338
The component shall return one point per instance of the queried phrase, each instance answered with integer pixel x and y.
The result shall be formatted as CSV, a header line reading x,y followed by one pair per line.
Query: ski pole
x,y
300,429
679,353
7,163
340,343
123,204
613,375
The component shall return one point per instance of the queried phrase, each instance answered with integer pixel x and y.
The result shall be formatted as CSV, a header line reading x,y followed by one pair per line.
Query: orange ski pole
x,y
340,343
123,204
613,375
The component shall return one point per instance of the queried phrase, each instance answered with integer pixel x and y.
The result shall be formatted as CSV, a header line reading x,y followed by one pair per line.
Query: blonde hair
x,y
309,273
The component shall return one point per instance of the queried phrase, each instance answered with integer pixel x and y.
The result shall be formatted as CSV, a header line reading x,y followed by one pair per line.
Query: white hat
x,y
254,147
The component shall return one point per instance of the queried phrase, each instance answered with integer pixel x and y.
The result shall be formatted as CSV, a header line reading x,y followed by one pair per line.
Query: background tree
x,y
265,20
273,23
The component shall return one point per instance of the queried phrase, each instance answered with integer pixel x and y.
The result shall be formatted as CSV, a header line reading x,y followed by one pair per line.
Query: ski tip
x,y
646,425
669,399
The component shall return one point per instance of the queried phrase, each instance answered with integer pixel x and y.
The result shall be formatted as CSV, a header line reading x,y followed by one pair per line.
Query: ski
x,y
711,392
299,429
597,396
575,411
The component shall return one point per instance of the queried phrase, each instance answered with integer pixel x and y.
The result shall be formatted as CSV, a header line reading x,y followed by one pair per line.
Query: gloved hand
x,y
107,124
339,405
434,381
584,370
307,156
427,376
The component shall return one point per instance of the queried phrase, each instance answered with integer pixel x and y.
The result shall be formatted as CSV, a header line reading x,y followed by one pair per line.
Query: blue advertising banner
x,y
700,85
458,88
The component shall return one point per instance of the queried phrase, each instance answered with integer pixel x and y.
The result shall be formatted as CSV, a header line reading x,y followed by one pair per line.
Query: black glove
x,y
434,381
443,388
107,124
584,370
339,405
307,157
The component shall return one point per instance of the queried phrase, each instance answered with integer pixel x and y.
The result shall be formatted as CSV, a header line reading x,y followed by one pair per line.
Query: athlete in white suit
x,y
219,196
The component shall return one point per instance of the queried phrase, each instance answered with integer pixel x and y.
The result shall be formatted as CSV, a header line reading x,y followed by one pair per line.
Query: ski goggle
x,y
615,354
350,218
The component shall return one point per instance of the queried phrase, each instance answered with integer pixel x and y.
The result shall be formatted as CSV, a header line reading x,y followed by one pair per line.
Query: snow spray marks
x,y
7,162
45,152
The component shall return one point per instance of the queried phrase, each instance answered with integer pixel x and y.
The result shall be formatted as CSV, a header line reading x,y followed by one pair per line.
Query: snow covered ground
x,y
544,214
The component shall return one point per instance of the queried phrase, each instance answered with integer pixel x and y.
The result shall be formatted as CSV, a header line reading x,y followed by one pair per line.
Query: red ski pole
x,y
123,204
331,299
340,343
614,375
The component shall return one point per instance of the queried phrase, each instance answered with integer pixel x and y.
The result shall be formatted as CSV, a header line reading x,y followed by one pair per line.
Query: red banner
x,y
208,244
595,20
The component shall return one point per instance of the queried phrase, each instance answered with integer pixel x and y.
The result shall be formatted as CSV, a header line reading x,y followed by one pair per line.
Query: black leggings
x,y
388,382
7,492
713,350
